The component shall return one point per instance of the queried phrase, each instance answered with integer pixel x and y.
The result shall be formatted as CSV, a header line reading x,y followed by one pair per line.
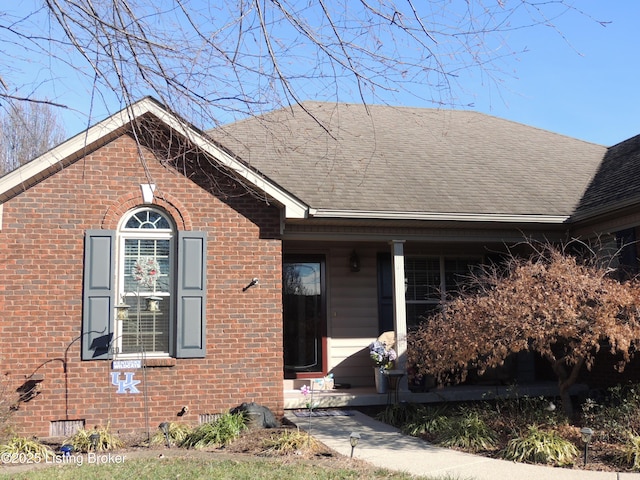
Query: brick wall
x,y
41,272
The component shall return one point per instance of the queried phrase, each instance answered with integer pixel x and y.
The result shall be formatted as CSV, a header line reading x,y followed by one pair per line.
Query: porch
x,y
367,396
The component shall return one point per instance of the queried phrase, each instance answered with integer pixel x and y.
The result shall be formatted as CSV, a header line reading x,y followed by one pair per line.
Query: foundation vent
x,y
65,428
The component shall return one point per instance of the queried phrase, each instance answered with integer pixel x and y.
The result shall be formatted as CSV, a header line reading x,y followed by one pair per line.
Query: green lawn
x,y
191,467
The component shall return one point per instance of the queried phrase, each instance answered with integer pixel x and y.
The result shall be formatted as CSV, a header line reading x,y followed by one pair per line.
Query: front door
x,y
304,316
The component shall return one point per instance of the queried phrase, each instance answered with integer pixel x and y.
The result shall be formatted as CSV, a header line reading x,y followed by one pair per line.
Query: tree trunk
x,y
565,381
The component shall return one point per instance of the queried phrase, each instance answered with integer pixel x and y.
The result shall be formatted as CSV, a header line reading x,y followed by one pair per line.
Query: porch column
x,y
399,306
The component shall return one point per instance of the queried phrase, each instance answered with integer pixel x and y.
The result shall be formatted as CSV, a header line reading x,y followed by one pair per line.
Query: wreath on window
x,y
146,271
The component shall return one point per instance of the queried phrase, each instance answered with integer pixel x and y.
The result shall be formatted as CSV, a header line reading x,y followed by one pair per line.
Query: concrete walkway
x,y
384,446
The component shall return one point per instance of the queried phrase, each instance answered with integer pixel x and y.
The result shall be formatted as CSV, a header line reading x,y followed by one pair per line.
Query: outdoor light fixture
x,y
354,262
94,438
252,283
354,438
164,428
586,434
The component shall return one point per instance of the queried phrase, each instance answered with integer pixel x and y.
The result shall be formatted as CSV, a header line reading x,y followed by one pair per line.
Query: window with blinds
x,y
429,279
145,279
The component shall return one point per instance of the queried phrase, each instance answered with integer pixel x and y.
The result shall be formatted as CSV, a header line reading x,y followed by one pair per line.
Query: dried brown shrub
x,y
556,304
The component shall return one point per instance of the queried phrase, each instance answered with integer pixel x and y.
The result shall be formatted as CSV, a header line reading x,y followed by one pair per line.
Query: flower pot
x,y
381,380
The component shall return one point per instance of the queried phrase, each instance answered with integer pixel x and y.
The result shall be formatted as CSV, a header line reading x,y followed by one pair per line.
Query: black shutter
x,y
192,275
99,294
385,293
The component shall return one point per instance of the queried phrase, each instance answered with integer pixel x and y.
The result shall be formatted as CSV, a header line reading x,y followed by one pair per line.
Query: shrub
x,y
615,415
429,420
293,441
631,453
399,414
541,446
178,432
219,432
81,440
520,410
32,449
467,431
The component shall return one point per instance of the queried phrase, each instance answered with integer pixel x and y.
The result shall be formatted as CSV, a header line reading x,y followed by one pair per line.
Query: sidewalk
x,y
384,446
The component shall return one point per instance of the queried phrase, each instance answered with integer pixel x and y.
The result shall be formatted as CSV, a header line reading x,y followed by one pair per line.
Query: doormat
x,y
323,413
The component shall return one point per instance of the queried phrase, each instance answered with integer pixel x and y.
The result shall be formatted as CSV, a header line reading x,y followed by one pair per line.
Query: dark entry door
x,y
304,314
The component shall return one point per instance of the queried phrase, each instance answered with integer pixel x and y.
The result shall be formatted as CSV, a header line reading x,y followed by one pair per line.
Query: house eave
x,y
55,159
439,216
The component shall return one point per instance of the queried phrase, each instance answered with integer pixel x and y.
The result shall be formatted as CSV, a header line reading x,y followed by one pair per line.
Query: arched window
x,y
145,282
160,272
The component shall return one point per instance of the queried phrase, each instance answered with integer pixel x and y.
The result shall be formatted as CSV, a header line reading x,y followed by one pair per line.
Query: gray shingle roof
x,y
400,159
617,182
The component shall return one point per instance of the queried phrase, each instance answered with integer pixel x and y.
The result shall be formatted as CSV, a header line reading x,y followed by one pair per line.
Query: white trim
x,y
457,217
148,190
123,235
399,305
74,147
293,207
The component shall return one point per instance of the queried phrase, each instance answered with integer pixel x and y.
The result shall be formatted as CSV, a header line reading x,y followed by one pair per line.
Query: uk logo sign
x,y
126,385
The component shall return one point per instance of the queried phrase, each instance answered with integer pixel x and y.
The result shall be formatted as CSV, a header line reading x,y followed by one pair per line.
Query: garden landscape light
x,y
94,438
354,438
586,434
164,428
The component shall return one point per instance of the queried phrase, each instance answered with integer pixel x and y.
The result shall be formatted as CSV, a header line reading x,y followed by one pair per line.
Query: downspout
x,y
399,306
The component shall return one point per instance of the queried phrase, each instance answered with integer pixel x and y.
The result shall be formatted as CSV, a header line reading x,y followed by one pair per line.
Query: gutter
x,y
437,216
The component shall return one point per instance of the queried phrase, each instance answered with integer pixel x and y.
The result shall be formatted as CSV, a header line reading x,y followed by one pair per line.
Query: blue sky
x,y
585,85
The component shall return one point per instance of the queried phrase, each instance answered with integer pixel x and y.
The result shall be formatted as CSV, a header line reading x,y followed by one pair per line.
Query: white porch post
x,y
399,307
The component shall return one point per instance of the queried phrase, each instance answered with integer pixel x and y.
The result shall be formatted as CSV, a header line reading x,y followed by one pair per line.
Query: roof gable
x,y
73,149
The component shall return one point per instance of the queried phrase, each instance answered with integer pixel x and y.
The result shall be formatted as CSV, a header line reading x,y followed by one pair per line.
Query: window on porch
x,y
430,279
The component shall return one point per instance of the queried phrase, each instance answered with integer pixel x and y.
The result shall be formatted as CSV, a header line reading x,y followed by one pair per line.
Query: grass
x,y
524,428
207,467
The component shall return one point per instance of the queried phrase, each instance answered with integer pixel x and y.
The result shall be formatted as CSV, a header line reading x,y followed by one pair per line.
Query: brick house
x,y
353,221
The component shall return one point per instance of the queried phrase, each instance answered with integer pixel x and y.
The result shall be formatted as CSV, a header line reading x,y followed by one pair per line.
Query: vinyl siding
x,y
352,314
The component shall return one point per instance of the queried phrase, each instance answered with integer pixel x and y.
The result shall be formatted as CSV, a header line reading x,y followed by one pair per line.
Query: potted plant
x,y
383,358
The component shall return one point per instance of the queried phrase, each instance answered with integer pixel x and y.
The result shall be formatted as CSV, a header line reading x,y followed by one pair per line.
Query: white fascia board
x,y
73,146
294,208
66,149
455,217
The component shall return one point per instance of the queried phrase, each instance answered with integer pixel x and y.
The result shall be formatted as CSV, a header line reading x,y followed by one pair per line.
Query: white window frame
x,y
124,234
